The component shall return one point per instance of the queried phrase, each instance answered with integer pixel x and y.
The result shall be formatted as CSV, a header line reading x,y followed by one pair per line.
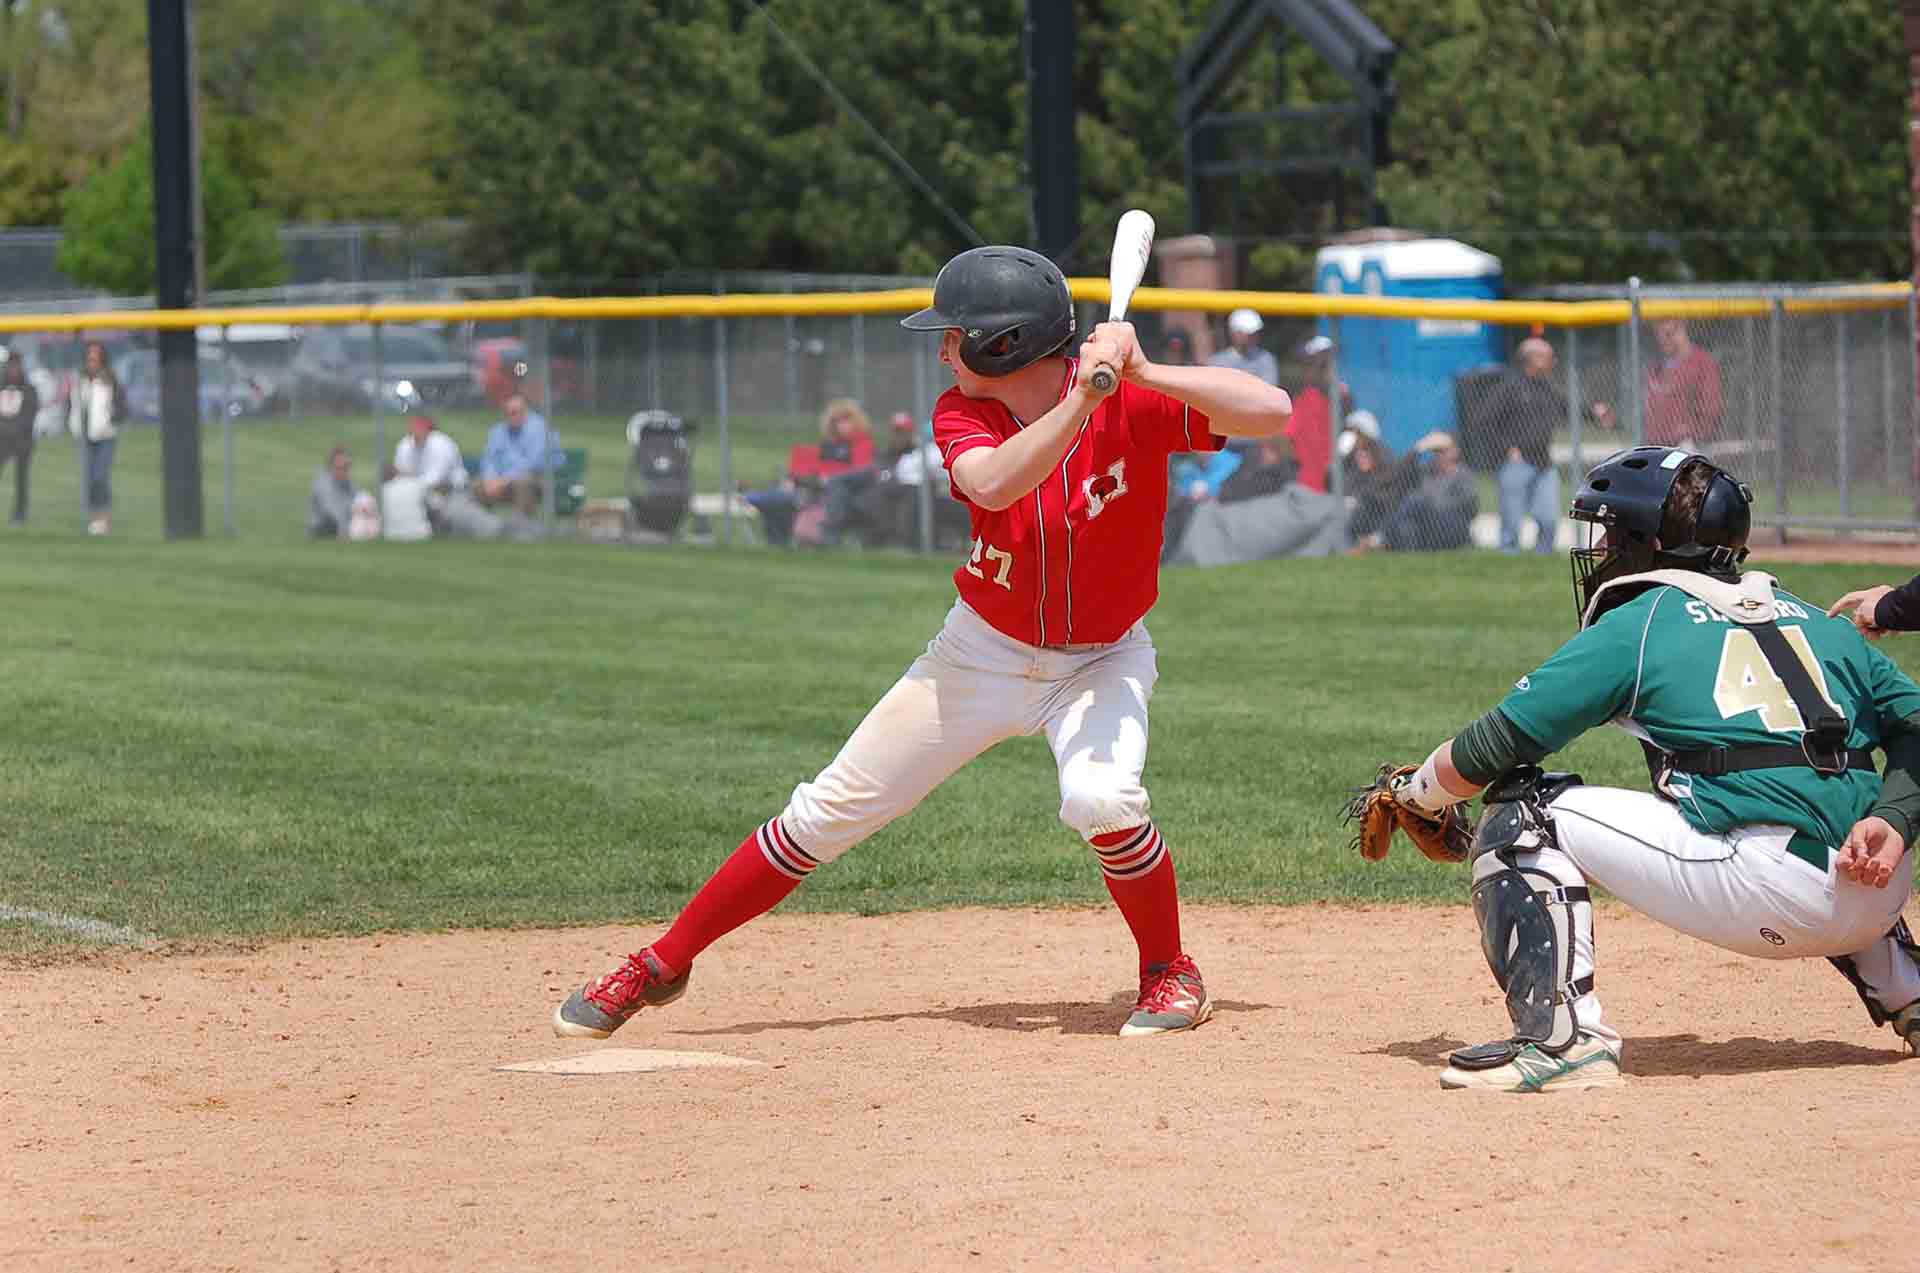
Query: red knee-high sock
x,y
766,867
1139,874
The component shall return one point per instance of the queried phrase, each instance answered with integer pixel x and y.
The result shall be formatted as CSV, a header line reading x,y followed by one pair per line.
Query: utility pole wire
x,y
898,160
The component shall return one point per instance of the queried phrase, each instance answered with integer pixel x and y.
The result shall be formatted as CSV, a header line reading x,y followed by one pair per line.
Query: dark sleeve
x,y
119,400
1899,610
1899,801
1492,745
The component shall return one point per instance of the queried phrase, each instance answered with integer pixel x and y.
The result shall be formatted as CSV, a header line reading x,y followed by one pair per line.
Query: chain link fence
x,y
1812,389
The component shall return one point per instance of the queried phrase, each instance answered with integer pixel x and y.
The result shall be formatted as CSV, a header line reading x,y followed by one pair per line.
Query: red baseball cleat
x,y
1172,997
598,1008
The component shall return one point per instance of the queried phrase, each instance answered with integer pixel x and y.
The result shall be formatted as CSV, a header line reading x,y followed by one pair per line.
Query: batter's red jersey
x,y
1077,559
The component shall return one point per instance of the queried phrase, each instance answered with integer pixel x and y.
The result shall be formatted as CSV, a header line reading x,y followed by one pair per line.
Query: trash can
x,y
659,471
1403,369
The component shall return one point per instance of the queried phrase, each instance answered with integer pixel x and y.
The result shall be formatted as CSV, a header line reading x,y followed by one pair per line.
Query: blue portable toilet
x,y
1403,369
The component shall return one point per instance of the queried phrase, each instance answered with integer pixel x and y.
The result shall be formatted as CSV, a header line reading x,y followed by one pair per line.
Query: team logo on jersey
x,y
1103,488
1524,684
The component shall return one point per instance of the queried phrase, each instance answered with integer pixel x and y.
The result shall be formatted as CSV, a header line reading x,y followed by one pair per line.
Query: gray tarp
x,y
1296,522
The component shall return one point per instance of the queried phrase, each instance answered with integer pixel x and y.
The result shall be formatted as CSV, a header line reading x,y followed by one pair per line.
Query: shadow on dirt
x,y
1023,1018
1690,1056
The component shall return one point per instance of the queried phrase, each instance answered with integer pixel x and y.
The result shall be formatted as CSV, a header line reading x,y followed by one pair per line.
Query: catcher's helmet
x,y
1642,498
1011,307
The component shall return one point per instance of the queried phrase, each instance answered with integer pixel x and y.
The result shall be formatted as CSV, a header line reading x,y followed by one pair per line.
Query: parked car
x,y
266,349
227,386
333,369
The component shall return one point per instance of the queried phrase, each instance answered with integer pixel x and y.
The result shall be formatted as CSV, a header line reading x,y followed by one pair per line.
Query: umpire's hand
x,y
1862,603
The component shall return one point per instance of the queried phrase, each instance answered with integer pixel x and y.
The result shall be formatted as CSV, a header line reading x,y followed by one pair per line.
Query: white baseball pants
x,y
975,687
1742,891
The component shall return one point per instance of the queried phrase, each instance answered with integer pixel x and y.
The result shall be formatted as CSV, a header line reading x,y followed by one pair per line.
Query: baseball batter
x,y
1067,489
1768,831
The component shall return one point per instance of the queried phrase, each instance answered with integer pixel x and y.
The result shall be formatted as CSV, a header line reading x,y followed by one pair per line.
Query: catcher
x,y
1767,832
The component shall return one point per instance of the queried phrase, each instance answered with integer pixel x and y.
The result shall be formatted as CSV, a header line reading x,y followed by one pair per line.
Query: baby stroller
x,y
659,471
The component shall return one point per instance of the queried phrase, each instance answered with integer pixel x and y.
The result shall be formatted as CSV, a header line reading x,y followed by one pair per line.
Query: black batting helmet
x,y
1661,507
1011,307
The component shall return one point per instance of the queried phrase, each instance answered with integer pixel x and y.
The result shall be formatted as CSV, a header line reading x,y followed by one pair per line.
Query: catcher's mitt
x,y
1376,813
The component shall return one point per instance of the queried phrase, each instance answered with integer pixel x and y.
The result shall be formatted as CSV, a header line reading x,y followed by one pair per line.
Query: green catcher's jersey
x,y
1669,667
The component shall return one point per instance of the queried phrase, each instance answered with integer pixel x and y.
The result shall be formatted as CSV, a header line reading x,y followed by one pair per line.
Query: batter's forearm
x,y
1237,404
996,476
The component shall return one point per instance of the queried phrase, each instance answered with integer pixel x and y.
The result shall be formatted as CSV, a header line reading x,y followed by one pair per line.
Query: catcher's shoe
x,y
598,1008
1906,1024
1587,1063
1172,997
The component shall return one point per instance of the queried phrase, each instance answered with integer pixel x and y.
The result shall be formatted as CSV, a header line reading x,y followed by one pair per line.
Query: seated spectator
x,y
1439,514
519,455
846,444
1269,469
19,404
403,507
1375,480
432,460
331,498
1176,350
868,499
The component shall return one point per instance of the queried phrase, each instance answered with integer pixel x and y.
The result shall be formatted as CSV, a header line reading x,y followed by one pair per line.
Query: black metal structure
x,y
1053,154
1329,142
170,57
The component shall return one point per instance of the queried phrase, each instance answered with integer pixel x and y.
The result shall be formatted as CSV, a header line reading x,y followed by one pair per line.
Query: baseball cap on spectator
x,y
1318,345
902,421
1359,423
1244,322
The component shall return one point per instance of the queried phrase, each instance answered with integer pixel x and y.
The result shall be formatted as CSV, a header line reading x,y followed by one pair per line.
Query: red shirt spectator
x,y
1684,400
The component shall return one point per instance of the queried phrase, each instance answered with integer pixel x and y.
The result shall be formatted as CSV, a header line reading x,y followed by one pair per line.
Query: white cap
x,y
1244,322
1318,345
1348,440
1364,422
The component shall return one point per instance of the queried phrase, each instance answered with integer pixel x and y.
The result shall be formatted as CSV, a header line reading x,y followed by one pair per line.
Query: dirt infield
x,y
1811,548
941,1091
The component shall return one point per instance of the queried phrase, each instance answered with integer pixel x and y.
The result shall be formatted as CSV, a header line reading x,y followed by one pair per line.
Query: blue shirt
x,y
522,452
1213,471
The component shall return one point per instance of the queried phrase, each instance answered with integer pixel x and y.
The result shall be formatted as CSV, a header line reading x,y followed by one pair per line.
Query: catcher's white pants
x,y
975,687
1741,891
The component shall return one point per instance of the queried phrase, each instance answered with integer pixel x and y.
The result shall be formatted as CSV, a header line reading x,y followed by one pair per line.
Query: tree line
x,y
596,143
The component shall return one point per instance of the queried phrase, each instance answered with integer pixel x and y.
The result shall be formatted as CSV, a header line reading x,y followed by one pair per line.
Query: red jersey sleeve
x,y
958,427
1157,422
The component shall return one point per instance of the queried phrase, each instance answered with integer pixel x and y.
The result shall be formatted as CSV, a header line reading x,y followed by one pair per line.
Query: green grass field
x,y
234,740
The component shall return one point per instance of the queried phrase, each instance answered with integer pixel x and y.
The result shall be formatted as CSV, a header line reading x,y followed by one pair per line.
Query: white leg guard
x,y
1887,976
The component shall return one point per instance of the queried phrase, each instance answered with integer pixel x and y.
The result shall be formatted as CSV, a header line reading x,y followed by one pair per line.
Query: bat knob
x,y
1103,379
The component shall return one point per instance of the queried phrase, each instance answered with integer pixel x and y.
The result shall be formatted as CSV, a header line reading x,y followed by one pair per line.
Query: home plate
x,y
633,1061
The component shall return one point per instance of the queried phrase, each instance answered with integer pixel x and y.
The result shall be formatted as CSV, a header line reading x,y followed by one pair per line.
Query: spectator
x,y
432,459
1522,413
97,406
330,501
1311,428
846,443
1243,351
19,404
845,495
519,455
1176,350
1267,470
1376,481
1684,401
1439,514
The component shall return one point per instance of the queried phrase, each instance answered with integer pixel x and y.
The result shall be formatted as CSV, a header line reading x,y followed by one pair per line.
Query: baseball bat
x,y
1132,245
